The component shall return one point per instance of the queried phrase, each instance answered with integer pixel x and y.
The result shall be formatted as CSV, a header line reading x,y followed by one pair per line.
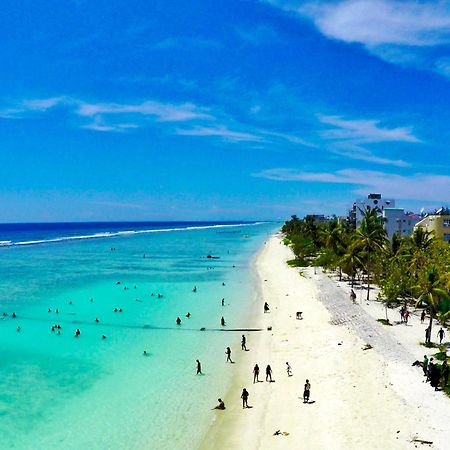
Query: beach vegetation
x,y
412,270
384,322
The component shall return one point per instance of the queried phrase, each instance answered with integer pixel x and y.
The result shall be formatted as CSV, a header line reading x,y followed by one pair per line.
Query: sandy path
x,y
355,405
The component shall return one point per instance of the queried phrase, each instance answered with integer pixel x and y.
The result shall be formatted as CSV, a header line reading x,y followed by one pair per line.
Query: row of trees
x,y
415,268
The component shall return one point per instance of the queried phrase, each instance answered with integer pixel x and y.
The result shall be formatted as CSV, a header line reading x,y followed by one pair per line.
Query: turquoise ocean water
x,y
58,391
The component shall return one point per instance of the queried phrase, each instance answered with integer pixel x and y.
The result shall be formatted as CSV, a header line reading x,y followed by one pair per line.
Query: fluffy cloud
x,y
400,32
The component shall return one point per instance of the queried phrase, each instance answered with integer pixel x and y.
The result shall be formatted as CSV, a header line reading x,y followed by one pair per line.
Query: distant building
x,y
372,201
439,223
396,221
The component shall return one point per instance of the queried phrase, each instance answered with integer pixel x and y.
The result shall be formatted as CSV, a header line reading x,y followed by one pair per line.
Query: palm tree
x,y
370,239
430,291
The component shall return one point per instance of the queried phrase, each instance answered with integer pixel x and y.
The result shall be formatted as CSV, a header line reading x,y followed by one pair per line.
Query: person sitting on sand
x,y
221,404
306,391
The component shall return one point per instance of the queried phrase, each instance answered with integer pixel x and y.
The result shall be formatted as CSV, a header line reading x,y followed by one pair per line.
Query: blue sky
x,y
221,110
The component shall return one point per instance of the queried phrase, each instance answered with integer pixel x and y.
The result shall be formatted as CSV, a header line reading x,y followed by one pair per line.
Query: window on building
x,y
447,237
446,223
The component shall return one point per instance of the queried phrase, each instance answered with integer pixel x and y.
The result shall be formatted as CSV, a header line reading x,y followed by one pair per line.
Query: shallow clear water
x,y
58,391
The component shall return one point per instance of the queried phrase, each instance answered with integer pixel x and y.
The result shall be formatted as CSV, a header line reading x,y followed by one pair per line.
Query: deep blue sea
x,y
89,392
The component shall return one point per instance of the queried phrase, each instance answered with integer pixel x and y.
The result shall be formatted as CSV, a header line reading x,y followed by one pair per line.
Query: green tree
x,y
430,291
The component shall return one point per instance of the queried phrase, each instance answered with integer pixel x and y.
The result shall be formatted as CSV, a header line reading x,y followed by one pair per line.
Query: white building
x,y
372,201
397,221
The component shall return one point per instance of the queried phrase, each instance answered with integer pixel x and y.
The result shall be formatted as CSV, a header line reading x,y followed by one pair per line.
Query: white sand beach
x,y
360,399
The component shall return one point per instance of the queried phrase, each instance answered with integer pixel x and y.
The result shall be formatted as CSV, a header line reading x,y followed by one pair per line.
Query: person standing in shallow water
x,y
228,353
222,322
244,397
306,392
199,368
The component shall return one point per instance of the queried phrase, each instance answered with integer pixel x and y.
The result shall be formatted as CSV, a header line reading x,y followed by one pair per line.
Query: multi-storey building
x,y
396,221
439,223
372,201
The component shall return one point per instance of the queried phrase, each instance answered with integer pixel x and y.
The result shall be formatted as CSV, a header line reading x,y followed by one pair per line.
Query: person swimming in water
x,y
195,289
96,319
103,336
178,321
188,315
223,302
77,333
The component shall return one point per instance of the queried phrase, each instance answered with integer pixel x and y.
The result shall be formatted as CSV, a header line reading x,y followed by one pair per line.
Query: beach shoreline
x,y
355,398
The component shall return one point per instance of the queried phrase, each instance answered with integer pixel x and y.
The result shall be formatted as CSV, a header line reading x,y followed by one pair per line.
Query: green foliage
x,y
384,322
298,262
415,268
440,356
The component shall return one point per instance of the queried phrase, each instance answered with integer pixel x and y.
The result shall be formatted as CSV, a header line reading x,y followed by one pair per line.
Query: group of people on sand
x,y
268,374
404,315
434,374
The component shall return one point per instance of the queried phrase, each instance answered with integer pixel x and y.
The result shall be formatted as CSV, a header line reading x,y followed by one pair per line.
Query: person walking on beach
x,y
269,373
422,316
244,397
288,369
223,302
441,335
353,296
243,342
266,307
199,368
406,316
256,374
306,391
228,353
427,334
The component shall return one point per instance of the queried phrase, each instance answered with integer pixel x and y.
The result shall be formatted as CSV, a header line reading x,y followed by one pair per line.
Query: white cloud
x,y
397,31
416,186
362,154
222,132
364,131
348,137
377,22
163,112
111,116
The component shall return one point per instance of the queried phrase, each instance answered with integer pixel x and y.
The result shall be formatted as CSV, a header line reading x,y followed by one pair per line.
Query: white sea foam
x,y
122,233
